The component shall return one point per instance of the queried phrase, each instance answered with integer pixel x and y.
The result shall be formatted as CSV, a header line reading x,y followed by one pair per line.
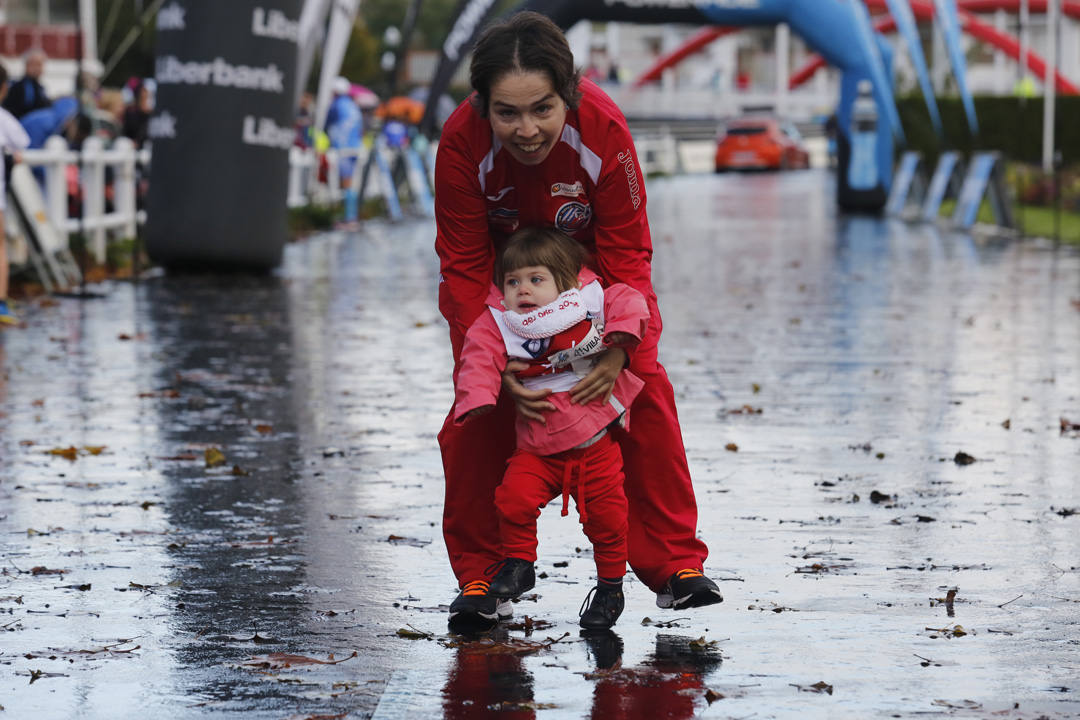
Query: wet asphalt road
x,y
828,369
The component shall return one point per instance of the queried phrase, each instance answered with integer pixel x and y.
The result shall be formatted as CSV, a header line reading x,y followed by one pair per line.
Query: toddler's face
x,y
528,288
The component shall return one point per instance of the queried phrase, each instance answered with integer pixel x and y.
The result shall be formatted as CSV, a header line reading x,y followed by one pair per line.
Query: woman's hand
x,y
600,381
530,403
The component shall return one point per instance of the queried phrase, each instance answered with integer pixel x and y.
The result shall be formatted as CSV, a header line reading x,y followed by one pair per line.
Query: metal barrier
x,y
94,158
373,174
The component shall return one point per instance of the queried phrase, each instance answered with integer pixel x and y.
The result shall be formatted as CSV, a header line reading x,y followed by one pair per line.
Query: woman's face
x,y
526,115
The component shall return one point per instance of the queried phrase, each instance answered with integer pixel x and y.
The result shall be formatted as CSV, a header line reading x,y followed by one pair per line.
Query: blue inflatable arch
x,y
839,30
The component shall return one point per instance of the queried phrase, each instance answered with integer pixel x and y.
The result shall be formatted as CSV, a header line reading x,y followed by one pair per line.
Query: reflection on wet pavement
x,y
214,491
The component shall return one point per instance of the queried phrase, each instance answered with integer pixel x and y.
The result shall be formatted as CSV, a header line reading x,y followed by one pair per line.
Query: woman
x,y
536,145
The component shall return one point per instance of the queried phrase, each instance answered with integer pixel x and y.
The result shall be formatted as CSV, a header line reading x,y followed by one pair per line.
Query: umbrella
x,y
401,108
443,108
363,96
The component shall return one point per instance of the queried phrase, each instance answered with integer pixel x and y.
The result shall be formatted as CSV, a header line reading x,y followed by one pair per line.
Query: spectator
x,y
27,95
345,127
12,138
111,109
136,121
61,118
304,113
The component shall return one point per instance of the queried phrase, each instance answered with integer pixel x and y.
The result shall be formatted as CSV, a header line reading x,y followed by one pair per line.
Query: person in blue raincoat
x,y
345,128
60,118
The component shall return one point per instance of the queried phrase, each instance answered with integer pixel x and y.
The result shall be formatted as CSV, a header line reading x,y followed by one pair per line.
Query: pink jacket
x,y
484,357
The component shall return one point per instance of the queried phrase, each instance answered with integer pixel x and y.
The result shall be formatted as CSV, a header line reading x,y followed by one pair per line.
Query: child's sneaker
x,y
7,313
514,576
602,607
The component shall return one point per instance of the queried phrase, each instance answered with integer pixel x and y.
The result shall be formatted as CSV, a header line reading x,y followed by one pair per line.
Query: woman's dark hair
x,y
3,76
526,41
546,246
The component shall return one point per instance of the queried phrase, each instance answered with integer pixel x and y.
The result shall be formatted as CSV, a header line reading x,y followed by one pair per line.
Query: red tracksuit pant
x,y
592,476
662,509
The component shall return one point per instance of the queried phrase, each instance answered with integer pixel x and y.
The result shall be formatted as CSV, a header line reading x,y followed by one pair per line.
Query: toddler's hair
x,y
546,246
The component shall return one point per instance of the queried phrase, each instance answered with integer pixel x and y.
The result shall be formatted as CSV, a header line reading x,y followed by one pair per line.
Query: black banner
x,y
221,132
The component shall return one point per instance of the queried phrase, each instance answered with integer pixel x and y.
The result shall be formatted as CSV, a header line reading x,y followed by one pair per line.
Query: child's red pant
x,y
592,476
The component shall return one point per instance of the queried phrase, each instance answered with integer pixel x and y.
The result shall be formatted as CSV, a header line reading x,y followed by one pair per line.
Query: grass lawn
x,y
1035,221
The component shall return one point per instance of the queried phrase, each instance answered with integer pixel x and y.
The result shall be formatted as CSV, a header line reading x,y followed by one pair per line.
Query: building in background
x,y
52,26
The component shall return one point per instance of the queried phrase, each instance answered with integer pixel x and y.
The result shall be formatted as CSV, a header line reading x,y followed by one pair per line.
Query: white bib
x,y
526,347
560,314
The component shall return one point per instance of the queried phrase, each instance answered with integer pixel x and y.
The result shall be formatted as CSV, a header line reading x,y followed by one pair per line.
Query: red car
x,y
755,142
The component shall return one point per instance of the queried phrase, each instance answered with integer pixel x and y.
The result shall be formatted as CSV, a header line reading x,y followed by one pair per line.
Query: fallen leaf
x,y
94,449
166,393
949,632
399,540
410,633
673,623
962,458
756,388
963,705
278,661
214,457
239,471
712,696
731,447
68,453
264,429
879,497
702,644
528,625
41,570
509,646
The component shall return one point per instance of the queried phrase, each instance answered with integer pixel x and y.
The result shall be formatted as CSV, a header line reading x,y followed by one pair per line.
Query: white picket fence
x,y
96,221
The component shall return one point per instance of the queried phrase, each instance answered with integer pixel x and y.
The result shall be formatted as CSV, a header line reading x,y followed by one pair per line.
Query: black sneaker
x,y
476,610
602,607
605,647
513,576
688,588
